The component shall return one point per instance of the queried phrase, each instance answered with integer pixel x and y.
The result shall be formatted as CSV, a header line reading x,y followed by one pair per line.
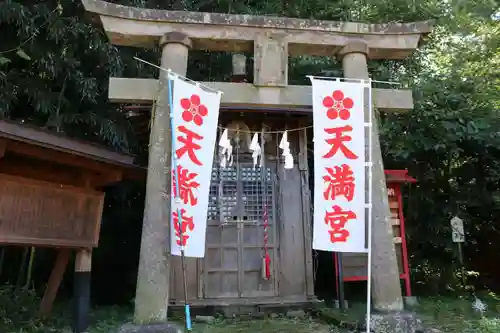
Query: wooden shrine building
x,y
230,273
52,195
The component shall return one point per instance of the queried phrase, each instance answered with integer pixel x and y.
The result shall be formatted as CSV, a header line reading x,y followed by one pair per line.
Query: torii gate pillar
x,y
386,283
151,299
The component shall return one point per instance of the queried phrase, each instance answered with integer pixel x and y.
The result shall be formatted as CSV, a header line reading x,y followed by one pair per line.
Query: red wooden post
x,y
404,248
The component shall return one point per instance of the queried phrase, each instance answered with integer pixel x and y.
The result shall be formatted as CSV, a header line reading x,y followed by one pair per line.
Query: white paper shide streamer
x,y
256,150
285,147
226,150
195,117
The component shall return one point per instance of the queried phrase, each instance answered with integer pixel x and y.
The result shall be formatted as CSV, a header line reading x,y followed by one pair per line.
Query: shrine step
x,y
245,311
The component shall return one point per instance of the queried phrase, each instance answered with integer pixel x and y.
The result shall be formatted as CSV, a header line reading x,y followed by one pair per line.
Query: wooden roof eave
x,y
399,176
41,144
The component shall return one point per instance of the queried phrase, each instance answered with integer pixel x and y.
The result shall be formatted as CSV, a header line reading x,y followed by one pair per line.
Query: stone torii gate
x,y
272,40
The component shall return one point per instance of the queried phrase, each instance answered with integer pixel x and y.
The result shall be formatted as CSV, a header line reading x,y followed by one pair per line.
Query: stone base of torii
x,y
272,41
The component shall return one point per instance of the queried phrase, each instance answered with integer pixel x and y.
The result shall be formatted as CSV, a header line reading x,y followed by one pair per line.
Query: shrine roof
x,y
44,139
398,176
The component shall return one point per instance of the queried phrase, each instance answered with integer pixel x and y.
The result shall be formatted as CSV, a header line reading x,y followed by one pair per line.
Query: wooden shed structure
x,y
52,195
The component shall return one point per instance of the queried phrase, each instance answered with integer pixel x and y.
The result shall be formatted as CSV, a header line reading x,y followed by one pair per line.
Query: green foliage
x,y
457,315
19,314
451,145
487,325
54,69
17,309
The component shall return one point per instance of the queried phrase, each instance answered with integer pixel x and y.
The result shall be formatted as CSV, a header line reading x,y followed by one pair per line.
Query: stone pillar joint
x,y
177,38
354,46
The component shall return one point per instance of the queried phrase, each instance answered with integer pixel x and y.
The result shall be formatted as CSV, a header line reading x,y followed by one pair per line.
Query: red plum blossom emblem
x,y
193,110
338,105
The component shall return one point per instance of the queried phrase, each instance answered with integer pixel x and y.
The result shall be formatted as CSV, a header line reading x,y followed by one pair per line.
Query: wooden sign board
x,y
44,214
457,230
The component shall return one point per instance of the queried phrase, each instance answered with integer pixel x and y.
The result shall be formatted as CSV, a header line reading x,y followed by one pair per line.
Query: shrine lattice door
x,y
235,232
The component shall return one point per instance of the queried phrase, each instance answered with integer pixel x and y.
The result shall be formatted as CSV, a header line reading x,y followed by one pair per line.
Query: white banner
x,y
339,166
196,114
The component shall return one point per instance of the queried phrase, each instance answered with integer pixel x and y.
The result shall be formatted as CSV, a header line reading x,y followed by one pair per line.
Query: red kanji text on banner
x,y
195,117
339,166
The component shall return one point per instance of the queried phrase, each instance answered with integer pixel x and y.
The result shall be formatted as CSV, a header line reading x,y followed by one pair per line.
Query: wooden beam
x,y
61,174
83,267
54,281
37,137
29,168
3,146
59,157
123,90
395,222
94,180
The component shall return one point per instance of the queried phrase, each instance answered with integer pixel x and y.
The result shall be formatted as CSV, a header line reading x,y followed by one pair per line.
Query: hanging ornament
x,y
289,161
226,154
285,146
266,260
256,150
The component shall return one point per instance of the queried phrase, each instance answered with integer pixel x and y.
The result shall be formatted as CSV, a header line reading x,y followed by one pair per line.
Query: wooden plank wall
x,y
40,213
292,280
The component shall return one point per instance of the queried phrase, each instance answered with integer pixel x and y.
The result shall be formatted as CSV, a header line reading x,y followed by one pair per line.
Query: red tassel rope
x,y
267,258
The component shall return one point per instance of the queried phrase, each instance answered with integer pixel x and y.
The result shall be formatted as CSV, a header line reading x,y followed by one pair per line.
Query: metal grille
x,y
238,193
213,213
254,194
228,190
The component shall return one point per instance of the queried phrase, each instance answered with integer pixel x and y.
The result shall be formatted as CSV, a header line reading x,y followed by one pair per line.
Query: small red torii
x,y
394,180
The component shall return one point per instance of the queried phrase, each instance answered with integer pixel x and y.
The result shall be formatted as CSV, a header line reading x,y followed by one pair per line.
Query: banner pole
x,y
340,278
370,203
179,218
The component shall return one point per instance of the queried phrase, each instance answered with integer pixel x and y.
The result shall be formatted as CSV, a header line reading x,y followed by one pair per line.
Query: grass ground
x,y
17,315
457,315
275,325
444,313
107,320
